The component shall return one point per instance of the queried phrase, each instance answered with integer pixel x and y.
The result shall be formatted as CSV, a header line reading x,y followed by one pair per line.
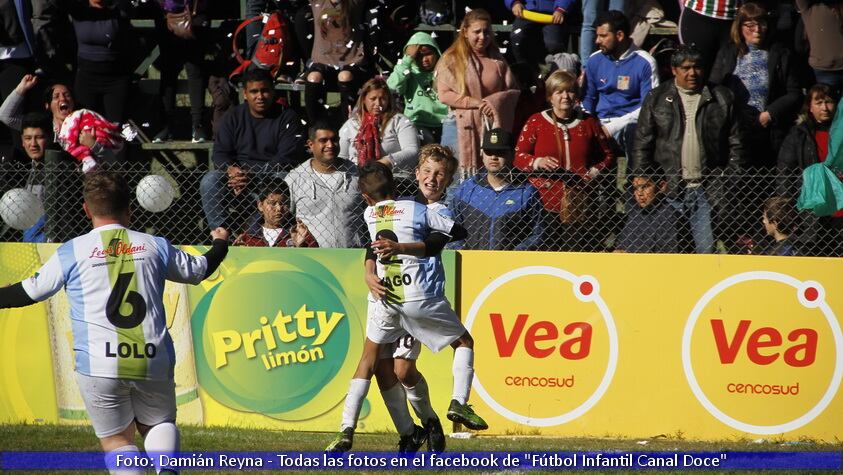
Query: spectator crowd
x,y
624,125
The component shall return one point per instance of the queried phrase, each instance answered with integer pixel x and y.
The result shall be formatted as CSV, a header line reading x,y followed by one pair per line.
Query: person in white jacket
x,y
377,132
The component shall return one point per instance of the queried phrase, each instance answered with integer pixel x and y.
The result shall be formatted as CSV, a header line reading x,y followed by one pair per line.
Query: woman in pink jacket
x,y
475,82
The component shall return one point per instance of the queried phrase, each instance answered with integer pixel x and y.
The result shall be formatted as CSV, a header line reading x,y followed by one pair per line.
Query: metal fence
x,y
602,215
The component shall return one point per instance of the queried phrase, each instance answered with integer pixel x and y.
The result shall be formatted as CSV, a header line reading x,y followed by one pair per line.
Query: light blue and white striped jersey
x,y
409,278
114,279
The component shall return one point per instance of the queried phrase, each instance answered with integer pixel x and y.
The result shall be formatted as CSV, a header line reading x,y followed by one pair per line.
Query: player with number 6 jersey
x,y
114,278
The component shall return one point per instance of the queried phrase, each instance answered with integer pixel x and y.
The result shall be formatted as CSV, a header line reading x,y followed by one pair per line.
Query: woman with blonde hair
x,y
475,82
563,149
376,131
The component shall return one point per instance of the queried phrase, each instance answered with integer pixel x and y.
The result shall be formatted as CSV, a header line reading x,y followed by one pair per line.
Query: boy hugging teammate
x,y
416,303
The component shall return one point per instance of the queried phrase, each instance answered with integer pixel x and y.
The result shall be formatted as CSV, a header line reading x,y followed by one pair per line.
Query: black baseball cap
x,y
498,140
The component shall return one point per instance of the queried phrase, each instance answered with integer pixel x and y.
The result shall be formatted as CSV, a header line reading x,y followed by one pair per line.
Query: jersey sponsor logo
x,y
386,211
116,248
760,352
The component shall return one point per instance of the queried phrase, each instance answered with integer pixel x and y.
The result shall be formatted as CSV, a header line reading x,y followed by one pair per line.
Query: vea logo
x,y
551,359
759,352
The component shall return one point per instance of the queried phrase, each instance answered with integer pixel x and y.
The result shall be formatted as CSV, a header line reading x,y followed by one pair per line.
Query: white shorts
x,y
113,403
405,348
432,322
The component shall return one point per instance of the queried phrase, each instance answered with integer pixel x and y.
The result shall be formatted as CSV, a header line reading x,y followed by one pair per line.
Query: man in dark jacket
x,y
259,136
498,213
701,123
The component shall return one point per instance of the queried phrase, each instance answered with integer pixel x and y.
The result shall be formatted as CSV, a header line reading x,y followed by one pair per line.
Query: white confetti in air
x,y
433,34
270,32
505,22
506,42
503,50
327,106
298,136
145,124
230,35
374,10
265,17
406,72
290,63
516,31
349,44
288,126
467,9
303,122
310,36
324,16
374,22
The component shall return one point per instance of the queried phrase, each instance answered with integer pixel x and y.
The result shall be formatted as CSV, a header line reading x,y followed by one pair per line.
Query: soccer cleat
x,y
342,442
435,435
465,415
411,443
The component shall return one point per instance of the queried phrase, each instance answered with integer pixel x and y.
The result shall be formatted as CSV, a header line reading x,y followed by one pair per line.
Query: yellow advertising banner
x,y
270,340
704,347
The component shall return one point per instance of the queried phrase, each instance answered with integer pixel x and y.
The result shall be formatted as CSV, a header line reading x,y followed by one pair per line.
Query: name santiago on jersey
x,y
408,277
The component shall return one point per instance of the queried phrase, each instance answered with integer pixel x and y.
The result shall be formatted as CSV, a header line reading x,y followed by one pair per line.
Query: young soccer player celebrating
x,y
114,279
397,363
417,305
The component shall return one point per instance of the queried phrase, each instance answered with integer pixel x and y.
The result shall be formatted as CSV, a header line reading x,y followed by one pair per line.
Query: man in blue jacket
x,y
524,35
618,78
499,213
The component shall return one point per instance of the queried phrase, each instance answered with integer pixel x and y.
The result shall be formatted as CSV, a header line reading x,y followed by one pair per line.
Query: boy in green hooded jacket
x,y
412,78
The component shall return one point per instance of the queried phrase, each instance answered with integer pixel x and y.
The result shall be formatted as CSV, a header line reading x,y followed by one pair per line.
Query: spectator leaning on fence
x,y
617,78
323,191
525,33
376,131
563,149
475,81
807,142
652,223
34,133
257,136
279,228
412,79
498,212
763,78
691,130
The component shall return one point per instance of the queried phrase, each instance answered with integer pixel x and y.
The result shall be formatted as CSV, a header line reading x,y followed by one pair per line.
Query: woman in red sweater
x,y
563,149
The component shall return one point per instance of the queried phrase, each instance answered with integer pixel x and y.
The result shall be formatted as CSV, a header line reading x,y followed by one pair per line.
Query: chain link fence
x,y
721,213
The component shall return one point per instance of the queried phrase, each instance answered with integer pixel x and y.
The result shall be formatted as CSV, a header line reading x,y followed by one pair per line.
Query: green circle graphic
x,y
238,322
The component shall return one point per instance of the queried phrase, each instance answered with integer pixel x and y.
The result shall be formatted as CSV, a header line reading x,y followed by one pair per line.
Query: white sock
x,y
128,451
463,373
419,397
396,403
161,439
357,391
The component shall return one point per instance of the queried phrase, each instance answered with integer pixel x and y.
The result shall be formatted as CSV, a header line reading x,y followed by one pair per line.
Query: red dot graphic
x,y
586,288
811,294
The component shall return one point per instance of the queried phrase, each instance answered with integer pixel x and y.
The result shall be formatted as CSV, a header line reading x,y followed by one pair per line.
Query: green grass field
x,y
196,439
